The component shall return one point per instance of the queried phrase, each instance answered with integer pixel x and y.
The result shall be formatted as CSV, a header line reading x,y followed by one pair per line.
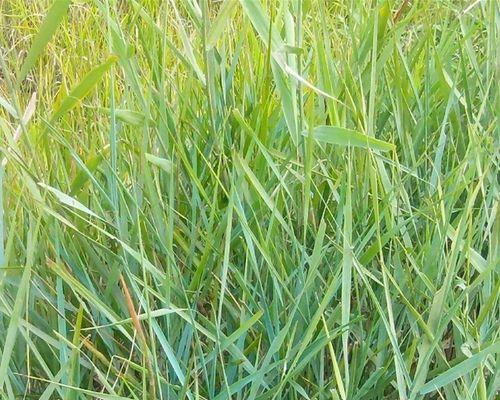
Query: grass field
x,y
249,199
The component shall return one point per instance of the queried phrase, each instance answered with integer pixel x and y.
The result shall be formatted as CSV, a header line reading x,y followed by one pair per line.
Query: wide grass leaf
x,y
460,369
83,88
348,137
68,200
47,29
160,162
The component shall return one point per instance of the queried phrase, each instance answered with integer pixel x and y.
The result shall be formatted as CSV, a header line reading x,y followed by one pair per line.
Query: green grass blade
x,y
77,94
49,25
461,369
223,18
347,137
15,318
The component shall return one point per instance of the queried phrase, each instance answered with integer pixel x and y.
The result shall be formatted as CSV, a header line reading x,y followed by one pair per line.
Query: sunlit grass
x,y
249,199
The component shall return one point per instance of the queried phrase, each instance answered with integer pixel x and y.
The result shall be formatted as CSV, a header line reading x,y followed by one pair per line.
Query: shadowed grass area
x,y
249,199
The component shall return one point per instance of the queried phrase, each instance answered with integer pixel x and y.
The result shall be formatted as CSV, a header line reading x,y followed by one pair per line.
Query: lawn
x,y
249,199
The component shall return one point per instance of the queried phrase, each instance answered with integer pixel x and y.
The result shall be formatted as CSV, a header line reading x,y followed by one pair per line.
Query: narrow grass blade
x,y
224,16
12,330
8,107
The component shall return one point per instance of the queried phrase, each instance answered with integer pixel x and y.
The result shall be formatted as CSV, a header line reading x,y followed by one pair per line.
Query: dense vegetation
x,y
253,199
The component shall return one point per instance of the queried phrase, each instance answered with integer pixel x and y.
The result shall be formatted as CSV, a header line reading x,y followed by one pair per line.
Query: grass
x,y
249,199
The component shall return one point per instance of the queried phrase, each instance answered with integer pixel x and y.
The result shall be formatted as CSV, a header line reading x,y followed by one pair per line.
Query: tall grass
x,y
249,199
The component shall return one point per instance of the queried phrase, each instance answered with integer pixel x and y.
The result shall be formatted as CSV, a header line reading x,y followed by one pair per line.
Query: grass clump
x,y
249,199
